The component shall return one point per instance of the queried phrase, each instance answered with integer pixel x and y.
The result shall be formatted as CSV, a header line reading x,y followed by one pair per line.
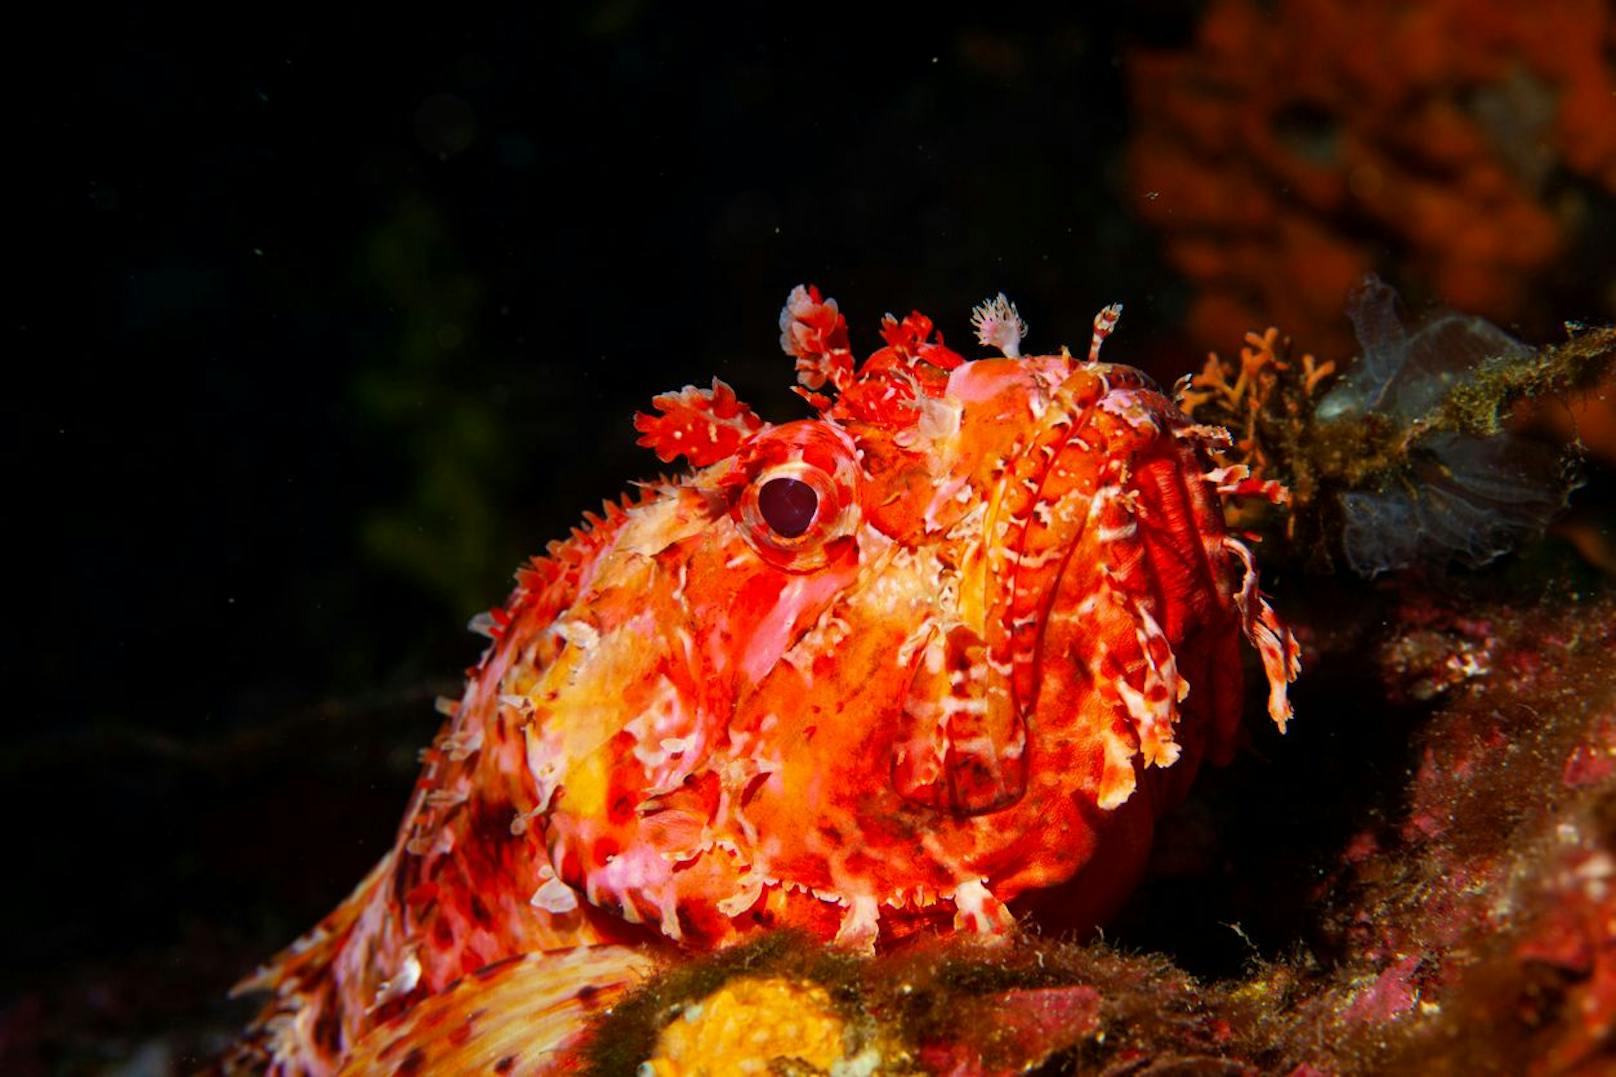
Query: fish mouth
x,y
963,739
961,745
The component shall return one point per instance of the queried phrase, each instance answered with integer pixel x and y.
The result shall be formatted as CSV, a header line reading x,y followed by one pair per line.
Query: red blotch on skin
x,y
443,933
412,1063
604,850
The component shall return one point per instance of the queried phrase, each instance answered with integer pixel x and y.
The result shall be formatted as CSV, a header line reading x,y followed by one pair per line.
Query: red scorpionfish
x,y
959,639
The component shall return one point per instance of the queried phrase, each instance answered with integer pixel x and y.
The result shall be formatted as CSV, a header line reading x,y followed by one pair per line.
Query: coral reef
x,y
1456,146
1266,401
1487,911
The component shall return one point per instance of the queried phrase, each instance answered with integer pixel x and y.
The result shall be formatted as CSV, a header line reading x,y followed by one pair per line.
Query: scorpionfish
x,y
955,641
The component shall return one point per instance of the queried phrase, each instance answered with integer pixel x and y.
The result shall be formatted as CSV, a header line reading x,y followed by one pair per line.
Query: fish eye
x,y
796,494
789,511
787,505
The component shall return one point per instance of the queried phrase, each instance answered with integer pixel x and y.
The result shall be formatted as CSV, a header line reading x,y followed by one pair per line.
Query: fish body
x,y
952,643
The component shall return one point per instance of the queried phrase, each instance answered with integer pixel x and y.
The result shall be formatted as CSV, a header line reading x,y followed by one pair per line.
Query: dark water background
x,y
324,324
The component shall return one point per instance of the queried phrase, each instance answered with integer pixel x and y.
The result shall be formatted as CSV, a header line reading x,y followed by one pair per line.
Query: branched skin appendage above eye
x,y
999,325
954,641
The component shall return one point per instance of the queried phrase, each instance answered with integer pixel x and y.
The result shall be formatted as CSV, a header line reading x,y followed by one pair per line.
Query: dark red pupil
x,y
788,506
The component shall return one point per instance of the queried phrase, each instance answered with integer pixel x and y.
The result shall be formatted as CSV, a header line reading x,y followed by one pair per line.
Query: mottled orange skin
x,y
1014,607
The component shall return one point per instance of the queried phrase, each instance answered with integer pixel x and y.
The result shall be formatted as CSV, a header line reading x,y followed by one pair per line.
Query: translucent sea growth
x,y
1409,457
1458,496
